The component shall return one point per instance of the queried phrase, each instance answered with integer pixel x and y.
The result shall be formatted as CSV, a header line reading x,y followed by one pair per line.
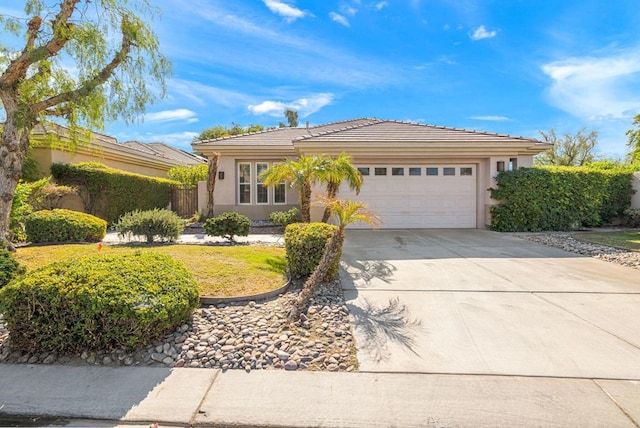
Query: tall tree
x,y
336,171
82,62
570,149
301,174
292,117
345,212
634,140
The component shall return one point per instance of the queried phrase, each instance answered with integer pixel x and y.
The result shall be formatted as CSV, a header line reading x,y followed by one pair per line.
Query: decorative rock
x,y
284,356
291,365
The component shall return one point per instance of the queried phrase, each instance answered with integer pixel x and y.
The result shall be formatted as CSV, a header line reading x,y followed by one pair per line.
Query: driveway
x,y
479,302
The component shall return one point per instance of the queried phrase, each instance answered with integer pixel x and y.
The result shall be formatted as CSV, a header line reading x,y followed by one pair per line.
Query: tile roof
x,y
163,150
365,130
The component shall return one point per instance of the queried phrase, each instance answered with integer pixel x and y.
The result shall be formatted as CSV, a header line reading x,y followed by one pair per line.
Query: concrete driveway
x,y
480,302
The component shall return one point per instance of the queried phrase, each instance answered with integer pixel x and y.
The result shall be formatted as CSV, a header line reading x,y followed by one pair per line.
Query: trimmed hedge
x,y
9,267
284,217
559,198
62,225
110,192
227,225
304,244
98,303
163,224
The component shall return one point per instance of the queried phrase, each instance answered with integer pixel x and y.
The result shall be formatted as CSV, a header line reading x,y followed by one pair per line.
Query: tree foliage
x,y
634,140
221,131
189,175
569,149
292,117
78,61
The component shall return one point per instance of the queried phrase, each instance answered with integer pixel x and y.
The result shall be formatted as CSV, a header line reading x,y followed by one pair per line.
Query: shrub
x,y
559,198
98,303
284,217
163,224
304,244
9,267
631,218
189,175
61,225
228,225
109,193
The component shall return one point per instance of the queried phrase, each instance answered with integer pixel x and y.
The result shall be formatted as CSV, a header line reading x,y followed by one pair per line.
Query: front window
x,y
244,191
262,192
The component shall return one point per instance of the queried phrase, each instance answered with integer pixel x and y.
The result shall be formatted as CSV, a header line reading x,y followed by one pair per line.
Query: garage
x,y
419,196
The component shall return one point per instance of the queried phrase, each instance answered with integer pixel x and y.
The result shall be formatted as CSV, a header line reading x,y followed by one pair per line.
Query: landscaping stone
x,y
244,336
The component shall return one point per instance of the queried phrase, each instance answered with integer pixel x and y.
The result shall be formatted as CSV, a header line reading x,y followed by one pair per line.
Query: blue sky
x,y
504,66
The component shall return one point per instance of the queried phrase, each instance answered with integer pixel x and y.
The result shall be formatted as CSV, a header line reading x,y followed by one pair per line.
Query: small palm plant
x,y
345,212
336,171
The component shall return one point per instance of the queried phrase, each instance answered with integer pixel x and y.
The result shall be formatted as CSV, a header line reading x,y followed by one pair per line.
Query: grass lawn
x,y
220,271
629,240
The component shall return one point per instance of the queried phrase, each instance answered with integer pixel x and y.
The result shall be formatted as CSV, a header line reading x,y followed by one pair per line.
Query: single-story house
x,y
415,175
50,144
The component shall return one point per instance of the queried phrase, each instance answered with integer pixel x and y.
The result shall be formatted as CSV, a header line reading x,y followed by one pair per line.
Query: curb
x,y
210,300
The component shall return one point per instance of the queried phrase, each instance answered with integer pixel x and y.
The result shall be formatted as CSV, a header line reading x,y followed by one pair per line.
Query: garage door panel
x,y
420,201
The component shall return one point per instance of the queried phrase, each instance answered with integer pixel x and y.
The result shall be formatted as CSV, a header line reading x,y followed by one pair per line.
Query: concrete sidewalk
x,y
205,397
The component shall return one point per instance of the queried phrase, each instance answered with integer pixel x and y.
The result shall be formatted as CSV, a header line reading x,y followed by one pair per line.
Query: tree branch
x,y
89,85
17,69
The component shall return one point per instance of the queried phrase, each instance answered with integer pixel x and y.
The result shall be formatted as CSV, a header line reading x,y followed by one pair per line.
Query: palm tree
x,y
334,173
301,174
346,212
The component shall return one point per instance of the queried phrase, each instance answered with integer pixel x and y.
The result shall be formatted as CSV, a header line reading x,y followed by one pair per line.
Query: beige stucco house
x,y
415,176
50,144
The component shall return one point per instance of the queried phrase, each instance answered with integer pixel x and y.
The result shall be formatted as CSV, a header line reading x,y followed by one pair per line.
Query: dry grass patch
x,y
628,240
220,271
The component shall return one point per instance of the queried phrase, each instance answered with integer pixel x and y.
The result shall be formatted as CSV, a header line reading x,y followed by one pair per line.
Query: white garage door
x,y
427,196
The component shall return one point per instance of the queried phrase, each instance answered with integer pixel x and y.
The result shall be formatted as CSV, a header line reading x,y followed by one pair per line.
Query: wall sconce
x,y
500,166
221,174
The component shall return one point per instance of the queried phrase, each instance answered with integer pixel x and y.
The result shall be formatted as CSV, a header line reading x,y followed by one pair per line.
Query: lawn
x,y
629,240
220,271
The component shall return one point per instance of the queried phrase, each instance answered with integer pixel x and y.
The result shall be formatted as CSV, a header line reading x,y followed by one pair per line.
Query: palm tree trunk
x,y
332,191
332,250
305,203
211,182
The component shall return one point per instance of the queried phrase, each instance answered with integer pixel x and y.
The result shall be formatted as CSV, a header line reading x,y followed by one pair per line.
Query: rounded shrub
x,y
227,225
9,267
284,217
61,225
163,224
98,303
304,244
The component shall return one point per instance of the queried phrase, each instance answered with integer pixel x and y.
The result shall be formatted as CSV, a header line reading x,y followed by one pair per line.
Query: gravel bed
x,y
567,242
246,336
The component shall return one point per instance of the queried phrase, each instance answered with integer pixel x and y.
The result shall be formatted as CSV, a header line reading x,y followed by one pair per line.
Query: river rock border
x,y
240,335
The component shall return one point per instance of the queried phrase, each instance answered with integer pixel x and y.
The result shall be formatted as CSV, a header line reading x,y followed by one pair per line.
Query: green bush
x,y
559,198
109,193
631,218
304,244
284,217
228,225
61,225
163,224
189,175
98,303
9,267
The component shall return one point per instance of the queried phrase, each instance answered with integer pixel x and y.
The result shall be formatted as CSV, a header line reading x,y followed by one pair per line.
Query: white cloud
x,y
288,12
482,33
596,88
204,95
336,17
491,118
348,10
304,106
381,5
182,114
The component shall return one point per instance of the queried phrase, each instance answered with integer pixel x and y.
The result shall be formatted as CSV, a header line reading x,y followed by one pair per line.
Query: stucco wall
x,y
635,199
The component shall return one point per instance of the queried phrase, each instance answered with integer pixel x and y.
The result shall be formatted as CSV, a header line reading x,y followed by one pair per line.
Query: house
x,y
415,175
50,142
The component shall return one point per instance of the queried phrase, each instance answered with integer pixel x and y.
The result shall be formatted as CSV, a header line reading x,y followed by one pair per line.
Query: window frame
x,y
259,183
241,184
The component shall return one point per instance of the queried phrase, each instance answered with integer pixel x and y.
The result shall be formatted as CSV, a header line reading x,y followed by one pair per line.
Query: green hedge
x,y
151,224
227,225
559,198
98,303
61,225
304,244
9,267
110,193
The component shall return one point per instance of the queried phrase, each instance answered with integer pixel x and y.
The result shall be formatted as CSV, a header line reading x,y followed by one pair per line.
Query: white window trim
x,y
244,184
257,183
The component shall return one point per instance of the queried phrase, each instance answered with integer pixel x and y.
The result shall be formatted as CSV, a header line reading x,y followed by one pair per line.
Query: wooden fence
x,y
184,201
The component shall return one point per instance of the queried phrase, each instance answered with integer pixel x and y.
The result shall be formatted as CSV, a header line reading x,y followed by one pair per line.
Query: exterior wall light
x,y
221,175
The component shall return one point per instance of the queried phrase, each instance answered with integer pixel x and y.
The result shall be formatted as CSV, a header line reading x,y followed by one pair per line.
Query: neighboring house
x,y
415,176
50,145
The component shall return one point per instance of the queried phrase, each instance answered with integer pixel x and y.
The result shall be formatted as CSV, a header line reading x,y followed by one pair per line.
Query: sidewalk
x,y
206,397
